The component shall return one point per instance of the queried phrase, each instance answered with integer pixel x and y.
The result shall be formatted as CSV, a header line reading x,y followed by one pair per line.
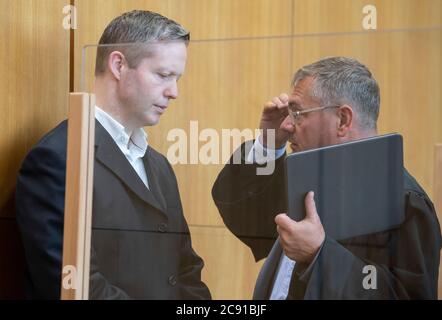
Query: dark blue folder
x,y
358,185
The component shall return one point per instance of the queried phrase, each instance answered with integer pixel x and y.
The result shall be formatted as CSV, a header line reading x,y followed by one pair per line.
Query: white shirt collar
x,y
135,145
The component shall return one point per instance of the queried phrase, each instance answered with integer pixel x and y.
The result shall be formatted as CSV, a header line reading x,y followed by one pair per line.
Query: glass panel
x,y
140,240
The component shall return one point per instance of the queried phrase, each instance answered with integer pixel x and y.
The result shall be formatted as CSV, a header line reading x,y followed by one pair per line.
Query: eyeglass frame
x,y
296,115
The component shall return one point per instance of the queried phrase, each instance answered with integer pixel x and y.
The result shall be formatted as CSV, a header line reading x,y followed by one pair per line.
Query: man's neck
x,y
108,104
363,134
114,114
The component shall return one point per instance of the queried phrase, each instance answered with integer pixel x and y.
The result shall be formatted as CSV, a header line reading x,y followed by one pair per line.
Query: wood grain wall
x,y
34,88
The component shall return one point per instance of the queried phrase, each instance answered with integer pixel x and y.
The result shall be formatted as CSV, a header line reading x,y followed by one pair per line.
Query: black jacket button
x,y
172,280
162,227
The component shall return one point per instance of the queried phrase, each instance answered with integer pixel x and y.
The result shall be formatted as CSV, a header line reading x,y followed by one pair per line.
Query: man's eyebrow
x,y
170,72
294,105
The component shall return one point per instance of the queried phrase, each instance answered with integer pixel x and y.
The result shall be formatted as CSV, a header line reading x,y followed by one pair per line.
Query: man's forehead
x,y
304,84
301,91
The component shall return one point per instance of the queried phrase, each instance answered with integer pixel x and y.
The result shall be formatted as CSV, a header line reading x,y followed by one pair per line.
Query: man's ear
x,y
115,63
346,118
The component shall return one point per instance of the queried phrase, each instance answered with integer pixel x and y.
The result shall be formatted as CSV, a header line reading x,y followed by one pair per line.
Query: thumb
x,y
310,207
283,221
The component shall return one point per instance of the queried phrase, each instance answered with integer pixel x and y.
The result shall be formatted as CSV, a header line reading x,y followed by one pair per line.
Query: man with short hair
x,y
334,100
141,246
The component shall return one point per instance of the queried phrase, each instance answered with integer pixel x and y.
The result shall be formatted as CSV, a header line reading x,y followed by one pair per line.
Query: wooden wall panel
x,y
206,19
220,19
229,271
35,81
324,16
34,88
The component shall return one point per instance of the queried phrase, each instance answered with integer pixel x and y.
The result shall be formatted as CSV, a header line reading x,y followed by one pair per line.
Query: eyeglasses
x,y
296,115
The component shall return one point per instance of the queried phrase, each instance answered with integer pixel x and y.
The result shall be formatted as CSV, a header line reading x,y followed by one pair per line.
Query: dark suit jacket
x,y
406,258
141,246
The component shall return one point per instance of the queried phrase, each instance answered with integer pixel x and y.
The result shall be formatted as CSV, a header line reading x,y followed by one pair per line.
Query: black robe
x,y
406,258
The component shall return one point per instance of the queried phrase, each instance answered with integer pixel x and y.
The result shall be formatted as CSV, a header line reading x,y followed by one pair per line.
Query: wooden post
x,y
78,198
438,196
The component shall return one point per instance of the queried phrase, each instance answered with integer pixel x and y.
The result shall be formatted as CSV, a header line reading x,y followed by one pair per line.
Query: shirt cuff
x,y
261,155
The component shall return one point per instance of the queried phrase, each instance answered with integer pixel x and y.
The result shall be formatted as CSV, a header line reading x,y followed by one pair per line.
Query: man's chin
x,y
151,120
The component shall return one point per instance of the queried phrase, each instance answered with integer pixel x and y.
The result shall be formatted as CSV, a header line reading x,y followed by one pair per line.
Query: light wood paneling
x,y
219,19
229,270
34,88
408,67
34,83
325,16
205,19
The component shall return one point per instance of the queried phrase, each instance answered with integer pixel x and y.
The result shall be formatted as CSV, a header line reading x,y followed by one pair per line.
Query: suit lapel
x,y
108,153
154,183
267,273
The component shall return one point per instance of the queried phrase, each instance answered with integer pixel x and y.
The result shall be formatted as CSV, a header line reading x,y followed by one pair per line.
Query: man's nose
x,y
171,92
287,125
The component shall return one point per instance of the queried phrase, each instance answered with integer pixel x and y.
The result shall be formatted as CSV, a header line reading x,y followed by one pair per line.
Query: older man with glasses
x,y
334,100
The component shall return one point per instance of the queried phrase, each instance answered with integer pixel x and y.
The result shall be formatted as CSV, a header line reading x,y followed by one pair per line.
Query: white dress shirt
x,y
133,147
285,268
260,155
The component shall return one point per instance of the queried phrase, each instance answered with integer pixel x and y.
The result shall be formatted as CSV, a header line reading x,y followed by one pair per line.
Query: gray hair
x,y
138,27
341,80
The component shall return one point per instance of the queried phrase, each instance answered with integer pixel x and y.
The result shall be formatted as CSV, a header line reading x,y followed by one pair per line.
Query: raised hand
x,y
273,114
